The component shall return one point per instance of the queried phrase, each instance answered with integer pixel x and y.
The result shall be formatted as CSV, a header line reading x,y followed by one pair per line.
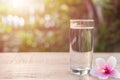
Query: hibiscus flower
x,y
105,69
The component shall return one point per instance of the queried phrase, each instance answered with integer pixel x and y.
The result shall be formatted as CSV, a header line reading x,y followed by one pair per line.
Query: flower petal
x,y
115,74
100,62
111,62
103,77
96,73
93,71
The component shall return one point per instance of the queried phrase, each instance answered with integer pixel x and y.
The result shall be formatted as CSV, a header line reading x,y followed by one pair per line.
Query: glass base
x,y
81,71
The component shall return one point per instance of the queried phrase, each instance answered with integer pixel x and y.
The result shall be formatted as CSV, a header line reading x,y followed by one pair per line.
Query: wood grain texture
x,y
42,66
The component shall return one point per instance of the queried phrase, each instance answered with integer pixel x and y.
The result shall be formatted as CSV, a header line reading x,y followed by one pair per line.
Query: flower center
x,y
106,71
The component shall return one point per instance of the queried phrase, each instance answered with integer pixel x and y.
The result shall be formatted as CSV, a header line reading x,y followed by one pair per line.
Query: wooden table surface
x,y
42,66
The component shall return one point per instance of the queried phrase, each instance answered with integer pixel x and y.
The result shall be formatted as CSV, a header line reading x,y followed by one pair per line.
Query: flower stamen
x,y
107,71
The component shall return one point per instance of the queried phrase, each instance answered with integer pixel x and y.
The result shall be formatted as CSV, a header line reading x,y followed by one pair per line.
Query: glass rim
x,y
91,20
74,23
79,27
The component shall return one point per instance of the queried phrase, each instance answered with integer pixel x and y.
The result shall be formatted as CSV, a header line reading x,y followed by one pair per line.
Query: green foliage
x,y
108,33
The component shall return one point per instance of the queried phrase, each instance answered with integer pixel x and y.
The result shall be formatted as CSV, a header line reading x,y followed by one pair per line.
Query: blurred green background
x,y
43,25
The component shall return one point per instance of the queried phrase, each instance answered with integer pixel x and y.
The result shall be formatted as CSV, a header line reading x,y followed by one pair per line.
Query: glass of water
x,y
81,45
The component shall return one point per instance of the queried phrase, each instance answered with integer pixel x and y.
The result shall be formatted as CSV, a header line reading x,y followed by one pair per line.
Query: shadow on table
x,y
87,77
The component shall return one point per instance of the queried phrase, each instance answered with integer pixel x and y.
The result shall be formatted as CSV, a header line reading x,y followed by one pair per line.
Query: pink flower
x,y
105,69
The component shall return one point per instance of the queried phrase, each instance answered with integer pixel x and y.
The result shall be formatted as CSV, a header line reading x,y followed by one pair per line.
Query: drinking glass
x,y
81,45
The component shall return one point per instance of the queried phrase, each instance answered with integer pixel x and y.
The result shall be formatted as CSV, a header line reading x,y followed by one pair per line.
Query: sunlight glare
x,y
32,20
18,3
9,19
31,10
47,17
4,20
21,22
15,21
41,6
